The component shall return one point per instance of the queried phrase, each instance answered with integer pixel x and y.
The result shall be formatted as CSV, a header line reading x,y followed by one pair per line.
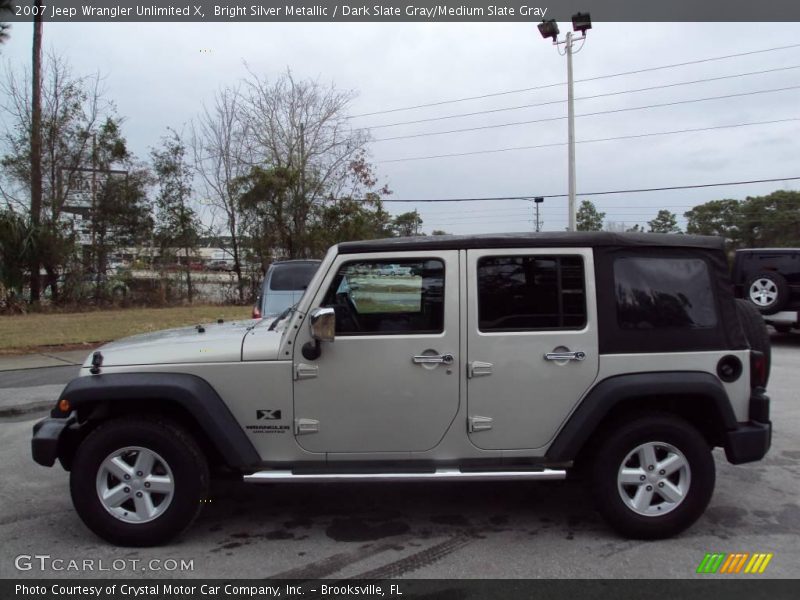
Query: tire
x,y
691,485
176,466
755,330
768,292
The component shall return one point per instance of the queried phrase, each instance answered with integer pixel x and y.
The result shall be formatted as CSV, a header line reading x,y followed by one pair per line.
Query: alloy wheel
x,y
763,292
654,479
135,484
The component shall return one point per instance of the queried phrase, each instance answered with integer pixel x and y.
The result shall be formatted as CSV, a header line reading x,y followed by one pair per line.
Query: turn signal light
x,y
63,405
758,369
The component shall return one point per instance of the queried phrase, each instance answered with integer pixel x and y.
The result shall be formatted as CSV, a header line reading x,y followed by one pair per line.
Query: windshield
x,y
277,302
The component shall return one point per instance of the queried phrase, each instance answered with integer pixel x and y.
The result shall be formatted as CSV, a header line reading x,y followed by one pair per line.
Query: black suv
x,y
769,278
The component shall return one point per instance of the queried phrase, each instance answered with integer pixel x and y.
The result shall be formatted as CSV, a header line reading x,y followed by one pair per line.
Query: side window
x,y
664,293
525,293
388,297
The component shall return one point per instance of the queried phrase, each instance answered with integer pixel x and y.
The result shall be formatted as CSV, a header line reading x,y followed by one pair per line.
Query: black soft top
x,y
552,239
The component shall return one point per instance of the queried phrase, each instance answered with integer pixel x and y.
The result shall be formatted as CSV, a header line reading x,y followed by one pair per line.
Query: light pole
x,y
549,29
538,223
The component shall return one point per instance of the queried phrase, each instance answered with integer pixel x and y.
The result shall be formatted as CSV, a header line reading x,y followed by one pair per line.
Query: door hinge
x,y
303,426
480,424
478,368
304,371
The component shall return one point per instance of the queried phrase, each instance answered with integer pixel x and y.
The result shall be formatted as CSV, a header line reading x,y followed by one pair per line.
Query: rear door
x,y
532,342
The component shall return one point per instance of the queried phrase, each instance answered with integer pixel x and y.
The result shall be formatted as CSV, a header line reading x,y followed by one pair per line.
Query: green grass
x,y
26,333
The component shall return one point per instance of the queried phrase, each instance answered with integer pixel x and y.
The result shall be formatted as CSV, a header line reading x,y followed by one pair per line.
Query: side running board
x,y
438,474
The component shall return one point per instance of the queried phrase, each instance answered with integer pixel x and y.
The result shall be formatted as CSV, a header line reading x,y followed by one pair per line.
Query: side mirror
x,y
322,322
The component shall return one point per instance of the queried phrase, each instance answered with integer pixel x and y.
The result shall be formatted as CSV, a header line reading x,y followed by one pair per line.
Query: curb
x,y
26,409
66,364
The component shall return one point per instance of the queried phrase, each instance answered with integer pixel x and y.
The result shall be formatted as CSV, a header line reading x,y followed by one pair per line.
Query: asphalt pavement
x,y
31,383
448,530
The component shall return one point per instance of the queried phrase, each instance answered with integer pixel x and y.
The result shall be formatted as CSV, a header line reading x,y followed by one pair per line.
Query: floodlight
x,y
581,22
549,29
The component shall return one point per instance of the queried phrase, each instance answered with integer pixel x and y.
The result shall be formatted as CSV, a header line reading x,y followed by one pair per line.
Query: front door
x,y
532,343
390,380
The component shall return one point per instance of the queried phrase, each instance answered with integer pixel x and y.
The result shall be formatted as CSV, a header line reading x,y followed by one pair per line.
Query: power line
x,y
552,85
522,212
603,193
561,222
527,215
591,114
589,141
593,97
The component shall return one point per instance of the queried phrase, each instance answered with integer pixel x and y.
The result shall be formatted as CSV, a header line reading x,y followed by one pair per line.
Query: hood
x,y
213,342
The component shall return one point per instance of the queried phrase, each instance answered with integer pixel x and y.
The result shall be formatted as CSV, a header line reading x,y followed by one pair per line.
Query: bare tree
x,y
301,126
71,108
271,155
177,225
218,141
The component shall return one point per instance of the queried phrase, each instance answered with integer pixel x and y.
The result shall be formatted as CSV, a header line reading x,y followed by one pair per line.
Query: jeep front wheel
x,y
138,482
653,477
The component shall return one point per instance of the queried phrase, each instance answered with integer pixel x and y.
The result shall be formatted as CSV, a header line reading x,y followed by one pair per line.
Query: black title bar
x,y
733,588
405,11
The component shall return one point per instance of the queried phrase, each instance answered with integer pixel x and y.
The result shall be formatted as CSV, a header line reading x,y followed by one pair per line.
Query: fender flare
x,y
607,394
192,393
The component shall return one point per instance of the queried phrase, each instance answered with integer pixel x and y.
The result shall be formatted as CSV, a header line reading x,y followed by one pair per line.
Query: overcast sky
x,y
160,74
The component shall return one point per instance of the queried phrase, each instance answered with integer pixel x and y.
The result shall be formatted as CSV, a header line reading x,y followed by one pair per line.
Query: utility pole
x,y
570,134
581,22
36,149
537,222
95,254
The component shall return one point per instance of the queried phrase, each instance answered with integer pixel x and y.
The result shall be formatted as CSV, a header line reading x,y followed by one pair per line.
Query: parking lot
x,y
443,530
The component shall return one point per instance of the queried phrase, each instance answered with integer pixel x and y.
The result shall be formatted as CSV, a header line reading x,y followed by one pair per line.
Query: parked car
x,y
219,265
620,357
769,278
283,286
393,270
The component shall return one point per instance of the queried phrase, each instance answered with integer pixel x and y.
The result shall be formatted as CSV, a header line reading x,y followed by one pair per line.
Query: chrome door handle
x,y
433,359
565,355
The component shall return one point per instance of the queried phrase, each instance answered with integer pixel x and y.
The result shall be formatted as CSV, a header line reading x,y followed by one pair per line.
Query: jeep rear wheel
x,y
138,482
653,477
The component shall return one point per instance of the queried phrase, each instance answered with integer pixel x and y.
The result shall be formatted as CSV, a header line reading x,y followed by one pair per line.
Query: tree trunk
x,y
189,290
100,268
237,265
36,149
52,282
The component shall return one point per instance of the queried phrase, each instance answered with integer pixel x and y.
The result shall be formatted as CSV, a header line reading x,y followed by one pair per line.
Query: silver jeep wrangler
x,y
524,356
